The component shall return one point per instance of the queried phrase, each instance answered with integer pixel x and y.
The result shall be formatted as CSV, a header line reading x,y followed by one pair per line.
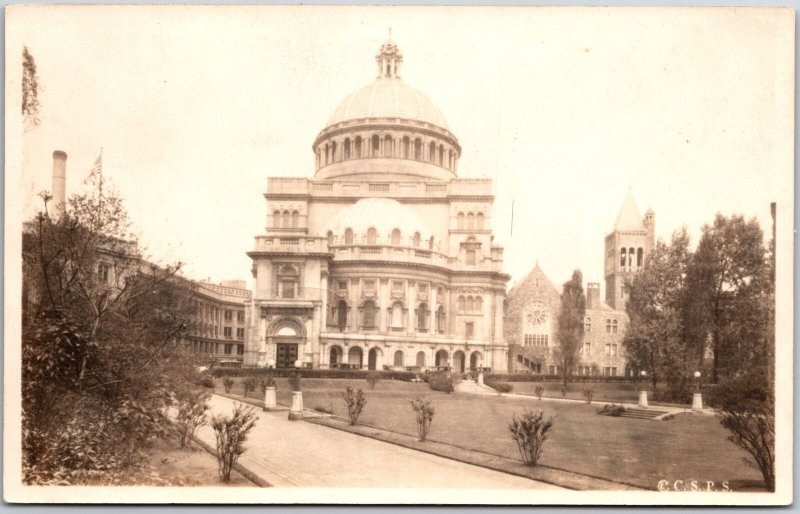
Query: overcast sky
x,y
564,109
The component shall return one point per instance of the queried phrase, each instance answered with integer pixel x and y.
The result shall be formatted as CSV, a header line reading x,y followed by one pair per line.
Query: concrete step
x,y
642,413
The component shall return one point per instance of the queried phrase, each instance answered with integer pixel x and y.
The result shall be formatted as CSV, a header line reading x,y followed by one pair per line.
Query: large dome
x,y
388,97
382,214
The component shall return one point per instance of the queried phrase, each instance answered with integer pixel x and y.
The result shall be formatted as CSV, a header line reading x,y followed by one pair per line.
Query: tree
x,y
101,350
569,336
727,302
654,340
30,90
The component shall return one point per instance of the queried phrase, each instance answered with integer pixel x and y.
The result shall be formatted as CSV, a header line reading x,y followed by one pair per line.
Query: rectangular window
x,y
608,326
228,315
240,316
103,272
287,289
239,333
587,326
586,350
228,349
240,349
469,330
614,327
613,350
551,370
608,350
227,332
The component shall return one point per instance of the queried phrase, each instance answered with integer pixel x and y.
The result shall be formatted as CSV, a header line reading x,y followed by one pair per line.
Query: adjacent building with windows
x,y
534,303
385,258
216,332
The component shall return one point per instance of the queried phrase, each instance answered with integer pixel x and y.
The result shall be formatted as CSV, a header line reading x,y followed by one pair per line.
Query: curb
x,y
260,482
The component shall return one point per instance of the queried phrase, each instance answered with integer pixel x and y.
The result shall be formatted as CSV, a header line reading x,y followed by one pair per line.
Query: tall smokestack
x,y
59,183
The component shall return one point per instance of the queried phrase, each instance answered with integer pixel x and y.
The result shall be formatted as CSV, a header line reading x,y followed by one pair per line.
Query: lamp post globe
x,y
298,363
697,376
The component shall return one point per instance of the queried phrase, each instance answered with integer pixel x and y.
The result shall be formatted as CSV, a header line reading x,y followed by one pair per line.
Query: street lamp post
x,y
697,397
296,411
643,391
270,401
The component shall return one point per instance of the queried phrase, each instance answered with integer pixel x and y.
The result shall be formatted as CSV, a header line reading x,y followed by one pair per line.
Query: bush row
x,y
361,374
531,377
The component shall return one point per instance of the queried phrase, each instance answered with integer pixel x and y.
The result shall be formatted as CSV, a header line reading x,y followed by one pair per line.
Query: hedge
x,y
405,376
576,379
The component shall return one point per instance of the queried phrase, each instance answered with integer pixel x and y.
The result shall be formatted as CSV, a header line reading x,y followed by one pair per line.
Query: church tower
x,y
627,247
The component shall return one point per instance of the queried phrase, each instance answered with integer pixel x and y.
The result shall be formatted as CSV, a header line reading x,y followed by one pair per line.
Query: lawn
x,y
632,451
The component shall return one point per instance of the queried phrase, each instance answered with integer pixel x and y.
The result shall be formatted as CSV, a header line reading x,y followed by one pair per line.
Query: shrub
x,y
501,386
424,411
442,382
611,409
529,431
294,381
373,377
191,415
355,402
227,382
324,410
231,432
588,395
250,384
747,410
539,391
205,380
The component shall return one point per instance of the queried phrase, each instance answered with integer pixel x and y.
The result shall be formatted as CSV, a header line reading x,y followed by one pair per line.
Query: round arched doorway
x,y
458,361
375,359
355,357
287,335
441,359
475,360
336,355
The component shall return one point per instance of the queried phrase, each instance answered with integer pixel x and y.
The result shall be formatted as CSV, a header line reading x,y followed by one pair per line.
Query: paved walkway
x,y
299,454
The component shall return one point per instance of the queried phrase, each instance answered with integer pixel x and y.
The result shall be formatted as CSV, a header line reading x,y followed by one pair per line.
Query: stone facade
x,y
385,258
217,327
533,305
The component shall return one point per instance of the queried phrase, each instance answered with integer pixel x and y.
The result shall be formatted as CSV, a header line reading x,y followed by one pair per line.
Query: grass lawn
x,y
633,451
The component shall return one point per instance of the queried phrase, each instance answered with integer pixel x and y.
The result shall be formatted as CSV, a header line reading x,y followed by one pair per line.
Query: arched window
x,y
372,236
470,221
420,359
432,152
418,149
460,304
639,257
334,157
441,155
330,239
406,147
368,315
348,236
479,221
430,243
376,145
398,358
288,282
341,315
397,316
416,240
460,219
623,257
614,326
396,237
470,304
358,147
450,160
478,304
630,257
327,154
287,219
422,317
295,219
276,219
440,319
388,143
347,148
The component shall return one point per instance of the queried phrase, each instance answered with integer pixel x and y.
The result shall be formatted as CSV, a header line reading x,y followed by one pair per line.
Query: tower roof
x,y
630,217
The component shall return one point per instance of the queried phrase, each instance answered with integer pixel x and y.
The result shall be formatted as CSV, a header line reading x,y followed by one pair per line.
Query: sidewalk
x,y
298,454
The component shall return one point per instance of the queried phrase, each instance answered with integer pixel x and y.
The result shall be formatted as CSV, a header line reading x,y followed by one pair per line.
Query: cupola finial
x,y
389,59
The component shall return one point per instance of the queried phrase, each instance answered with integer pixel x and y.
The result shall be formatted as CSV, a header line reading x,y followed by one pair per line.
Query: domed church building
x,y
385,258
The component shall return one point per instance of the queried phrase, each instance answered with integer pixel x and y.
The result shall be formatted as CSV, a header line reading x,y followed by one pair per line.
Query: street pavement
x,y
299,454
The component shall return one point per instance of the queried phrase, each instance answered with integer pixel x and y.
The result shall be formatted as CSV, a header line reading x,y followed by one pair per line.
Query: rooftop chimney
x,y
592,295
59,183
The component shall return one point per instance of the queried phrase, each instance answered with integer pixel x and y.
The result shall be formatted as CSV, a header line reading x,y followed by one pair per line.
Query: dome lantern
x,y
389,59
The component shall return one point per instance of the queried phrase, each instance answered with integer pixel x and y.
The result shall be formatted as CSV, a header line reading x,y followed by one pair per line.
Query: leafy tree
x,y
654,340
102,357
30,90
569,336
728,296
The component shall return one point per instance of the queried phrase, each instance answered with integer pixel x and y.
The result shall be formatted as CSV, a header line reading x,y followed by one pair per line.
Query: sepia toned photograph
x,y
399,255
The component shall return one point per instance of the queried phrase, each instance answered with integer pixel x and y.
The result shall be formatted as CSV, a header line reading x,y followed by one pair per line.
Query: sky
x,y
565,109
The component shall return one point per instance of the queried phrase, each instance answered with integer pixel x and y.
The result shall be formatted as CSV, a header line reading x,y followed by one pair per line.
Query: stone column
x,y
383,305
697,402
412,304
643,399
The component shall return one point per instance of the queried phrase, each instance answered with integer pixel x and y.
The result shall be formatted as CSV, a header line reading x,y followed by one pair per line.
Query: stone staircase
x,y
631,412
472,387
